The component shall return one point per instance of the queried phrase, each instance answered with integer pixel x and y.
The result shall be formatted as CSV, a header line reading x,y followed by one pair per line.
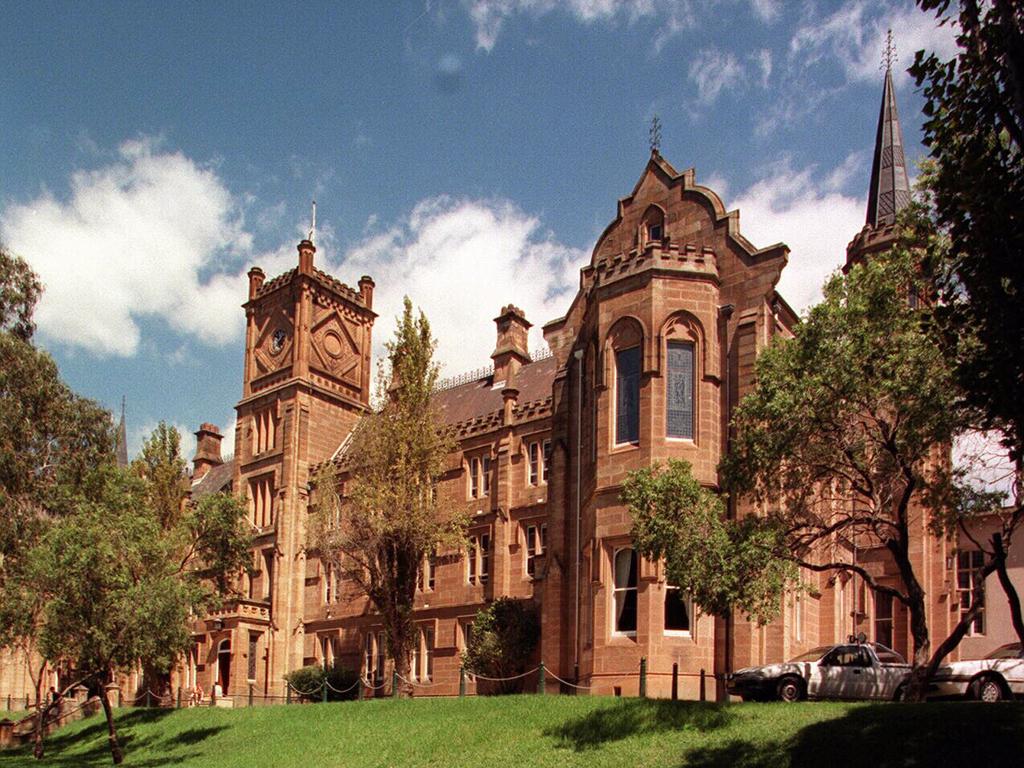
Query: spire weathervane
x,y
655,134
312,226
889,54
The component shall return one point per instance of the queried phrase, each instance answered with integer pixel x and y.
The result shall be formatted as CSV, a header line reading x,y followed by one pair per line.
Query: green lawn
x,y
550,731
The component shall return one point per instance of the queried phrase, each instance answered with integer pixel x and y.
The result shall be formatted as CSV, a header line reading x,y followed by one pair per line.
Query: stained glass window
x,y
679,390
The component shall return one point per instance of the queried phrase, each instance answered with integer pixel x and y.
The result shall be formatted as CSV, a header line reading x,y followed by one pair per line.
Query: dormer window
x,y
653,225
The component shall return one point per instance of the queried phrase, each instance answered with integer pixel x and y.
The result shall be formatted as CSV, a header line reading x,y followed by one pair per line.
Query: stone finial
x,y
366,286
256,278
306,251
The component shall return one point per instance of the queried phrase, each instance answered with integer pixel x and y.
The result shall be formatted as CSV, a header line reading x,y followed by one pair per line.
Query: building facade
x,y
647,364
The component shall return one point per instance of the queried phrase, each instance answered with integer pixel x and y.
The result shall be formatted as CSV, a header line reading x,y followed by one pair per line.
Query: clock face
x,y
277,341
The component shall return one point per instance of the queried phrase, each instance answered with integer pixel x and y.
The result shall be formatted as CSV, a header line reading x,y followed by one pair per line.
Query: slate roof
x,y
480,398
216,480
889,192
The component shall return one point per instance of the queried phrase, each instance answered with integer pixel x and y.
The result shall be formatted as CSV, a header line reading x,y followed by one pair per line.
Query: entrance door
x,y
224,665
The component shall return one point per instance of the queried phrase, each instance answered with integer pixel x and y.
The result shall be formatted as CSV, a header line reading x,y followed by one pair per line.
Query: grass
x,y
549,731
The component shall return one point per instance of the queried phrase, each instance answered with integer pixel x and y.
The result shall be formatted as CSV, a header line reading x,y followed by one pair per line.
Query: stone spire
x,y
122,439
889,192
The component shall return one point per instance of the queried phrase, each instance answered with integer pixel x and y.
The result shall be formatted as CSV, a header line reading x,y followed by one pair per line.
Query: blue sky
x,y
466,152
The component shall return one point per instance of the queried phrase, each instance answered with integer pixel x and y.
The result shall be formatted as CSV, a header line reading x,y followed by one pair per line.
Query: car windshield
x,y
1011,651
813,655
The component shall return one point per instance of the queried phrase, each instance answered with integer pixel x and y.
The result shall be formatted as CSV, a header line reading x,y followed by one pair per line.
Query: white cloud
x,y
711,71
461,261
854,35
763,60
766,10
129,242
489,16
809,214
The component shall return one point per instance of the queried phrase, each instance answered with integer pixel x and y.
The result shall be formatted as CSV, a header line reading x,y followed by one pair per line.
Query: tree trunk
x,y
116,753
37,737
1004,580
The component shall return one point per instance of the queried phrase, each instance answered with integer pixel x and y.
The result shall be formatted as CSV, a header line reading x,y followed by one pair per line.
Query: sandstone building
x,y
647,364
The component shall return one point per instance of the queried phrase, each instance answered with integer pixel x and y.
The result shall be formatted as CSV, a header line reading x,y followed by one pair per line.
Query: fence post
x,y
675,681
323,692
643,677
394,683
287,692
26,703
8,702
462,682
360,692
250,694
576,680
179,697
120,698
703,685
148,701
541,678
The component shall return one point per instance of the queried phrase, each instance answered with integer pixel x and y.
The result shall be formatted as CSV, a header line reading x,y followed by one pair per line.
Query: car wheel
x,y
790,688
987,688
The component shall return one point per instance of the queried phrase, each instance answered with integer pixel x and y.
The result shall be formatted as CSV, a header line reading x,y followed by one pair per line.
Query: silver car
x,y
1000,675
846,671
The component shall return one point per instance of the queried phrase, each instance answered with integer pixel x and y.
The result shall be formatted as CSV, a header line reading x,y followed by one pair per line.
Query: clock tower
x,y
306,383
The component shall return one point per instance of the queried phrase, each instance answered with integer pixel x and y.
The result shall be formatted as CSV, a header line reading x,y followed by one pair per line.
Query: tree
x,y
391,515
50,438
845,439
724,564
975,133
162,466
502,640
119,589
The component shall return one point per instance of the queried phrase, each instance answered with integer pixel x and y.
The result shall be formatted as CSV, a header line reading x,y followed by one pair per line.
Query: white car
x,y
1000,675
847,671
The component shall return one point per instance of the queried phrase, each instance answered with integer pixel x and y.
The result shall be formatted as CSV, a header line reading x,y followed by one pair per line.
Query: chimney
x,y
256,277
207,450
513,350
366,286
306,251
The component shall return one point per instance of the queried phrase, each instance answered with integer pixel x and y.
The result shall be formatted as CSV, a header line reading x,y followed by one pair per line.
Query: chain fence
x,y
377,687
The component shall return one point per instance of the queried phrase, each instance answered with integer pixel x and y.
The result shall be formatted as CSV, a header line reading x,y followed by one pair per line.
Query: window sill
x,y
678,633
624,635
625,447
681,440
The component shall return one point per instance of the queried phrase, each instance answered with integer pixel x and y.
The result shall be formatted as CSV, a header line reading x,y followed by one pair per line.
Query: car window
x,y
812,655
888,655
843,656
1011,651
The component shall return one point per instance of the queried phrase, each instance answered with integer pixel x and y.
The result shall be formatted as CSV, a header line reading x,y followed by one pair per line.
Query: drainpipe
x,y
578,355
726,311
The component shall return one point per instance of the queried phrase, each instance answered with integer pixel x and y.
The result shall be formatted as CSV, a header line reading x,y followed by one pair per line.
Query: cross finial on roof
x,y
889,54
655,134
312,225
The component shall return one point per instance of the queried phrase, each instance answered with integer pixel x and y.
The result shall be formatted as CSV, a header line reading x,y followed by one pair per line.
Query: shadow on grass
x,y
64,749
885,736
629,717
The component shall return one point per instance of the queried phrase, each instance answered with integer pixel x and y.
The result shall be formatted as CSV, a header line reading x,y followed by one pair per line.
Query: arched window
x,y
624,356
627,395
679,390
653,225
625,595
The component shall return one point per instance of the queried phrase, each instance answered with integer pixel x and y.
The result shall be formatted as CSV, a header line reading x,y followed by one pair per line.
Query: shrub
x,y
307,682
502,643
